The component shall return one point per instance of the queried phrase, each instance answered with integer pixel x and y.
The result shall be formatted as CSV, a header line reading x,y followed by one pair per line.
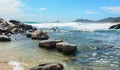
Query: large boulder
x,y
49,44
39,34
4,38
22,25
25,26
117,26
15,22
3,23
48,66
66,48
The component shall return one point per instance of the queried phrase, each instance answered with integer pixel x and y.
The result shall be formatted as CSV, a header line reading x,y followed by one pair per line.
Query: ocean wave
x,y
75,26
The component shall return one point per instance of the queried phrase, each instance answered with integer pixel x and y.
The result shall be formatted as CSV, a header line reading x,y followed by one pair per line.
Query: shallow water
x,y
97,50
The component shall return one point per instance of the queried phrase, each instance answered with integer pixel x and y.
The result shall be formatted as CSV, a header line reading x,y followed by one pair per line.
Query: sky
x,y
58,10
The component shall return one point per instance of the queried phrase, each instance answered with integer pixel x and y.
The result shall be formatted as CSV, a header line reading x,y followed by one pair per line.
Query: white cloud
x,y
91,12
112,9
11,8
41,9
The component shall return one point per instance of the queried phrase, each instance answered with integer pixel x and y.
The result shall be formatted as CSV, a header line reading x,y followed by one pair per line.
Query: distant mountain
x,y
83,20
117,19
109,19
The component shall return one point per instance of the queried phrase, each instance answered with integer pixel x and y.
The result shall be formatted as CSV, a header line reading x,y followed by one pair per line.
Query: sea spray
x,y
17,65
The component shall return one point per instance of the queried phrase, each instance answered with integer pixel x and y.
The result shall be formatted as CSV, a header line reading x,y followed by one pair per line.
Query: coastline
x,y
94,49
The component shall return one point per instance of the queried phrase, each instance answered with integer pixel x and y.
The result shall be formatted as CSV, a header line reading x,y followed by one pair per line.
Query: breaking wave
x,y
75,26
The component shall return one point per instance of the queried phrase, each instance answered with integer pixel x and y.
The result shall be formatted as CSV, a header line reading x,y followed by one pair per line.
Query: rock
x,y
3,29
117,26
22,25
11,24
49,44
4,38
25,26
39,34
3,23
66,48
28,34
1,20
14,30
15,22
48,66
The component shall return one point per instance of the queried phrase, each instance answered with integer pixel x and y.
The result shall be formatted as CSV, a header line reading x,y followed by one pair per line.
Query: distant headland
x,y
109,19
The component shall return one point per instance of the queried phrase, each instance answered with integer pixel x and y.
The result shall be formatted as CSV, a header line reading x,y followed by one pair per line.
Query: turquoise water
x,y
98,49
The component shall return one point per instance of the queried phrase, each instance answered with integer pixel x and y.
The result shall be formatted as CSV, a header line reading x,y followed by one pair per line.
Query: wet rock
x,y
66,48
49,44
28,33
117,26
48,66
39,34
4,38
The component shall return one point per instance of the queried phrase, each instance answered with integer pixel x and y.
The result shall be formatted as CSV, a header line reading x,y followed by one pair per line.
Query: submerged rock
x,y
39,34
50,44
66,48
4,38
48,66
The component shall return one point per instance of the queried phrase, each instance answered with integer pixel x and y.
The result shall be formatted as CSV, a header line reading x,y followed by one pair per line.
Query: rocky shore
x,y
14,27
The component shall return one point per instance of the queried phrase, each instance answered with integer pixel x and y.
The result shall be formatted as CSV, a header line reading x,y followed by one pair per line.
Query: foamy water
x,y
17,65
76,26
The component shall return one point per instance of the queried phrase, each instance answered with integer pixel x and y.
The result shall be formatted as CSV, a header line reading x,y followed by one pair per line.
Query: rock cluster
x,y
39,34
8,28
49,44
64,47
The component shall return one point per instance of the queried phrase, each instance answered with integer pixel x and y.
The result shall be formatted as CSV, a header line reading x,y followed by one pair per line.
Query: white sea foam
x,y
76,26
17,65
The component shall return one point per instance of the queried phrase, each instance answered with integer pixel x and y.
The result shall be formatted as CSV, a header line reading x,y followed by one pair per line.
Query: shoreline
x,y
6,66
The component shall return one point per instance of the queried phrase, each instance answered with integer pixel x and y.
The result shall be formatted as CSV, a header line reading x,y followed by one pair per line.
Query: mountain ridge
x,y
109,19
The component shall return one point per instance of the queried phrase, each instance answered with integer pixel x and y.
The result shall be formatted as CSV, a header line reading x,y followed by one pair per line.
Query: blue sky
x,y
63,10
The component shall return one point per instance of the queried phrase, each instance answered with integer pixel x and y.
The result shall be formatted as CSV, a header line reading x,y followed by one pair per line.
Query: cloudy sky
x,y
63,10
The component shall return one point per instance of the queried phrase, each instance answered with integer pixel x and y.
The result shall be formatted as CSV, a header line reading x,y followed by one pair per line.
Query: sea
x,y
98,47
